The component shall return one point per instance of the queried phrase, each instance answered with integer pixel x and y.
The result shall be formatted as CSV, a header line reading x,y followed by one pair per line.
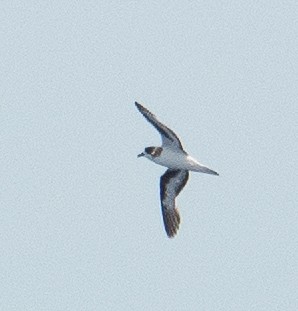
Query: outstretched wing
x,y
171,184
168,137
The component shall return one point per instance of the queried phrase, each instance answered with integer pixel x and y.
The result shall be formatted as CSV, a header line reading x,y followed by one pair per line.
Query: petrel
x,y
171,155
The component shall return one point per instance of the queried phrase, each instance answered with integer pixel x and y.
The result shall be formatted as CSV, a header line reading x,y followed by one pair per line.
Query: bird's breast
x,y
172,159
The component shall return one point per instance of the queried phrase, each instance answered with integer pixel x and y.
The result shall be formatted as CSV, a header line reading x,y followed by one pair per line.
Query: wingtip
x,y
142,109
171,222
172,235
139,106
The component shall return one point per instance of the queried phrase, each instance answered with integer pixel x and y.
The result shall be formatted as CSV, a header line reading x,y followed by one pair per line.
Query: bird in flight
x,y
171,155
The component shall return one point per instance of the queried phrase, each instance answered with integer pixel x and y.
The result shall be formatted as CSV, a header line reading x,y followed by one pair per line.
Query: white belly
x,y
177,160
181,161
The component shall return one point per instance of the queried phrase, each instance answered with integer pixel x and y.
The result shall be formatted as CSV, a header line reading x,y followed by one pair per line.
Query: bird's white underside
x,y
176,159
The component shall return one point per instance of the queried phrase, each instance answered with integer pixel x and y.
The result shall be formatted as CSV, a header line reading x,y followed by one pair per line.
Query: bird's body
x,y
180,160
171,155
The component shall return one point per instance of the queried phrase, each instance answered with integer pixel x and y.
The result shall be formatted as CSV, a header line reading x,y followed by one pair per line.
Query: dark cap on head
x,y
153,151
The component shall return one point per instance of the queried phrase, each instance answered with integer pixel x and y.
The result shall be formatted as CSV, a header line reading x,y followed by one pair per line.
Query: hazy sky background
x,y
80,220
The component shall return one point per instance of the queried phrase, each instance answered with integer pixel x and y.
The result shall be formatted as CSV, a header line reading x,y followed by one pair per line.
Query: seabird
x,y
171,155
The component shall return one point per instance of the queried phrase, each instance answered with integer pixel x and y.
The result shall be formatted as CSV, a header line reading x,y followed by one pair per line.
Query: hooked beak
x,y
141,154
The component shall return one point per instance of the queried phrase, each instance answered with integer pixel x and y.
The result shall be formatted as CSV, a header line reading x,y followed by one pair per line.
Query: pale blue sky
x,y
80,221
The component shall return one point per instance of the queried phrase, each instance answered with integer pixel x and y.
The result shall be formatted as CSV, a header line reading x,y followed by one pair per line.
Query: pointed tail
x,y
206,170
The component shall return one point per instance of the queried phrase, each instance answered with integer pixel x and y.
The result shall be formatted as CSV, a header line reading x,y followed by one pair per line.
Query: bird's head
x,y
151,152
